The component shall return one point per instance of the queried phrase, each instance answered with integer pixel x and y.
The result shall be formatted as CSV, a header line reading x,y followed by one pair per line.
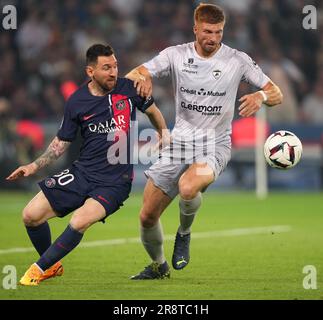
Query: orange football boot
x,y
32,276
55,270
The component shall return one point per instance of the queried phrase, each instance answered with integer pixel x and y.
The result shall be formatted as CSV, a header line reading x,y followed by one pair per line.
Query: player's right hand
x,y
23,171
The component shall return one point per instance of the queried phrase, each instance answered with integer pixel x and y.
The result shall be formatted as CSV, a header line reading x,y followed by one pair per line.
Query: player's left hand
x,y
251,103
163,141
143,87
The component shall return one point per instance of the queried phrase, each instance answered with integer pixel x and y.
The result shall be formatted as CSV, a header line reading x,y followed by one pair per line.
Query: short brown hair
x,y
96,51
209,13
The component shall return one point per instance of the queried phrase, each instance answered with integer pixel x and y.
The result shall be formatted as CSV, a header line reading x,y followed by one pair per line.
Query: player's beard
x,y
210,48
105,86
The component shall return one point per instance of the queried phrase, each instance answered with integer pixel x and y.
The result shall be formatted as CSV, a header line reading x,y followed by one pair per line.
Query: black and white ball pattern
x,y
283,150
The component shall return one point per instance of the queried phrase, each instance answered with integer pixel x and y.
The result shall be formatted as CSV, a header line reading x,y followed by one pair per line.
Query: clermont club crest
x,y
120,105
216,74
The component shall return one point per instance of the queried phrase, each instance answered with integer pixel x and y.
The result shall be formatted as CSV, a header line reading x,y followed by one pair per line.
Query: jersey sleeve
x,y
252,73
160,65
143,103
69,125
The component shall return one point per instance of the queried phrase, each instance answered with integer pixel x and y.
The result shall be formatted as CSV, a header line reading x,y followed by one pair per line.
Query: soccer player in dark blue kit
x,y
92,186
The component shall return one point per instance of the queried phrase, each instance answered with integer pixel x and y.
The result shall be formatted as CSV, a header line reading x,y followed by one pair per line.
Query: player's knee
x,y
187,191
147,218
29,218
79,223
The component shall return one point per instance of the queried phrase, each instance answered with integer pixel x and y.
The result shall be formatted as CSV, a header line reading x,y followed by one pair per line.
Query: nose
x,y
214,37
113,72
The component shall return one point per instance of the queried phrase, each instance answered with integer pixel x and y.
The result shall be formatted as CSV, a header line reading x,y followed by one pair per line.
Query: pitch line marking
x,y
195,235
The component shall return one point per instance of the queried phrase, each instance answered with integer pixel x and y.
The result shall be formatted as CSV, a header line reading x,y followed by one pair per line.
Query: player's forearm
x,y
56,148
273,94
139,73
157,120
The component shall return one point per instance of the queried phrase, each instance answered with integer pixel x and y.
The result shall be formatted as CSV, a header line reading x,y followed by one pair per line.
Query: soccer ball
x,y
283,150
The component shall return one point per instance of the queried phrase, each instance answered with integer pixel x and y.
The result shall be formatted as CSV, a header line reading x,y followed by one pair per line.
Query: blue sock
x,y
40,237
64,244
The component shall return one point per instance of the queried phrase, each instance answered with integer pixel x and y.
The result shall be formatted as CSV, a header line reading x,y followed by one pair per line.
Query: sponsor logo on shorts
x,y
50,183
219,161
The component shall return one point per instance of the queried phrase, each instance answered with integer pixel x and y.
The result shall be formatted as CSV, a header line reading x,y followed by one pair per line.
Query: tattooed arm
x,y
56,148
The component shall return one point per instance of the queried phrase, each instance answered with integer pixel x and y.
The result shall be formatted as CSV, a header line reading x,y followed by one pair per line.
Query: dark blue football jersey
x,y
104,122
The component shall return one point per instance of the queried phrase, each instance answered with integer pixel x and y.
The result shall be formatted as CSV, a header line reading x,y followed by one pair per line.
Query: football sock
x,y
152,239
40,237
64,244
188,210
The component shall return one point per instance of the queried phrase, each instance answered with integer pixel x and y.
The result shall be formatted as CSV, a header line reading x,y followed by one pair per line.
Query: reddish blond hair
x,y
209,13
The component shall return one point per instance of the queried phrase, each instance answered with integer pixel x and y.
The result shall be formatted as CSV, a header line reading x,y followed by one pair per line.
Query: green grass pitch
x,y
224,265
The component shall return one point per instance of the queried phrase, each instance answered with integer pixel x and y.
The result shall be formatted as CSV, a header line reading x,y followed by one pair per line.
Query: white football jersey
x,y
205,89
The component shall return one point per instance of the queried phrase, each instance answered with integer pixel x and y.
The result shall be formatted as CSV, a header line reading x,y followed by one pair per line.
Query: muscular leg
x,y
92,211
35,216
154,203
196,178
37,211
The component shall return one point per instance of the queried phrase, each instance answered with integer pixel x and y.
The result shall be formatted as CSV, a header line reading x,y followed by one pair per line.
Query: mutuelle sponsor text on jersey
x,y
203,92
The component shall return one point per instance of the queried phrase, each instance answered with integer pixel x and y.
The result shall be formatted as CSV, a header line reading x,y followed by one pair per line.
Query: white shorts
x,y
175,159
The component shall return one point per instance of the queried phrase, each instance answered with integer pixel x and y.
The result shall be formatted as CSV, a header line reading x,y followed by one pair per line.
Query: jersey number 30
x,y
64,178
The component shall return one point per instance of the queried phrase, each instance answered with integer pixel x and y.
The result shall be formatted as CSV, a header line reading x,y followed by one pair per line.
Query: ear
x,y
89,71
195,29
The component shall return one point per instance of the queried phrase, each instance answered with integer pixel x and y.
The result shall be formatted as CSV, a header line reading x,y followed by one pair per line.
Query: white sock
x,y
41,270
188,210
152,239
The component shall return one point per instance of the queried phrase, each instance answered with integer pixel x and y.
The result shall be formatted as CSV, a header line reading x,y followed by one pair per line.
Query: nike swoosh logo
x,y
89,117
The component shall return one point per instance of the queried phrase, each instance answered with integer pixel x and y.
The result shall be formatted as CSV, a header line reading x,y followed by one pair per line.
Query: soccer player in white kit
x,y
205,76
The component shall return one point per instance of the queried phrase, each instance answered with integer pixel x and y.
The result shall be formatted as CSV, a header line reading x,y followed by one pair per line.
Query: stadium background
x,y
42,63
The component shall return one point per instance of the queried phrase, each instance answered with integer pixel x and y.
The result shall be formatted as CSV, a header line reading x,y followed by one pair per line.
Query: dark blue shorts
x,y
68,190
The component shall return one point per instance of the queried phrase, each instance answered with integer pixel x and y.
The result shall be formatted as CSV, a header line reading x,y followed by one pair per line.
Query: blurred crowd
x,y
42,62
